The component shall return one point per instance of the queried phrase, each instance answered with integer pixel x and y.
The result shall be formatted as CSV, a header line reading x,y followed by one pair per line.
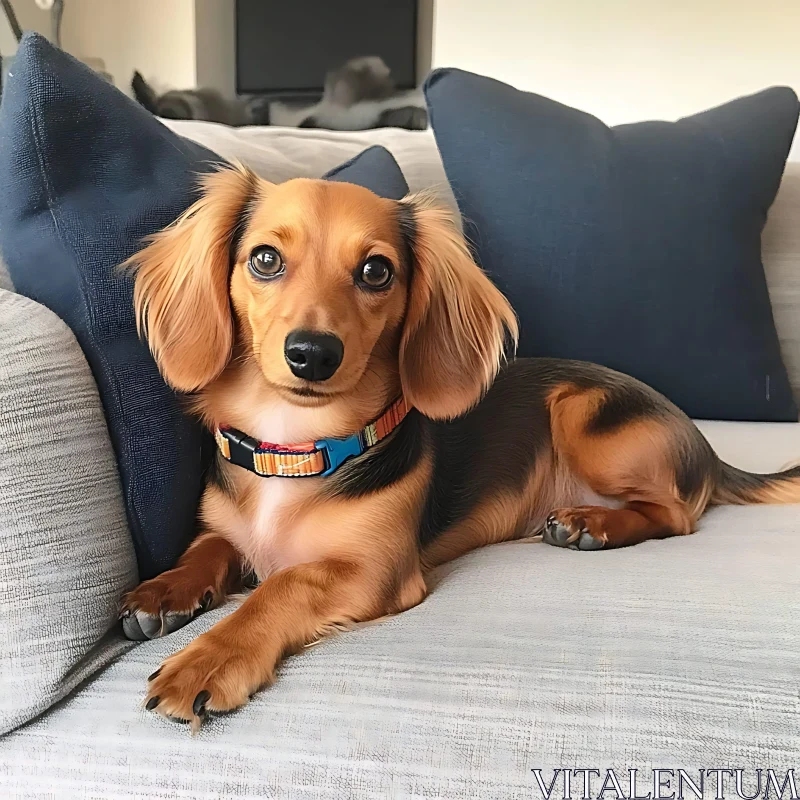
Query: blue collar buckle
x,y
337,451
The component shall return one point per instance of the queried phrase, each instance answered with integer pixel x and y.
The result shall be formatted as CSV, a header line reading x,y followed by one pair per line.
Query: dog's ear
x,y
181,292
457,322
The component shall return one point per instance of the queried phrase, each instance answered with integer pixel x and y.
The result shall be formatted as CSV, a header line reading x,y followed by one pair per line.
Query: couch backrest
x,y
781,253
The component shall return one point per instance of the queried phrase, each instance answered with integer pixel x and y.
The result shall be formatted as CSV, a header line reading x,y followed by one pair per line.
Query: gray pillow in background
x,y
66,554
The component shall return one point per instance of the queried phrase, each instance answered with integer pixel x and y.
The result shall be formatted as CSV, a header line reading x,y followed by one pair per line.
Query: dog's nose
x,y
313,356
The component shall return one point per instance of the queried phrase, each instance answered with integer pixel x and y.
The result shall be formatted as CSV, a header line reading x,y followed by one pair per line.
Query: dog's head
x,y
321,283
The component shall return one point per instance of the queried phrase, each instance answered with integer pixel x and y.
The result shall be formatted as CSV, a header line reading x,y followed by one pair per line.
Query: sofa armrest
x,y
66,554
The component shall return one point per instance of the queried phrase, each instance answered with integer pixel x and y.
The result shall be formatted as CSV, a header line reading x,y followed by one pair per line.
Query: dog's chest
x,y
271,529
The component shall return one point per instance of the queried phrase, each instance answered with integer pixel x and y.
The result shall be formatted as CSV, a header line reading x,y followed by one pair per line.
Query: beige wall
x,y
157,37
625,60
216,45
30,18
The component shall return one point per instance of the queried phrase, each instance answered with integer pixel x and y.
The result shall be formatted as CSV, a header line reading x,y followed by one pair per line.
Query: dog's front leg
x,y
223,667
205,574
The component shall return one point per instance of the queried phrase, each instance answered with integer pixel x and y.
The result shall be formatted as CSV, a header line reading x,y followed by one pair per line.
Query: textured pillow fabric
x,y
85,174
374,169
65,550
638,246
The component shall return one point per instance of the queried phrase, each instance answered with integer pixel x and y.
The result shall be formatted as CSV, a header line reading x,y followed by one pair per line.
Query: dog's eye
x,y
375,273
266,262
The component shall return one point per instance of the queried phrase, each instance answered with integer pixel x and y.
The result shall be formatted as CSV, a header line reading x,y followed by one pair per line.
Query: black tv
x,y
285,47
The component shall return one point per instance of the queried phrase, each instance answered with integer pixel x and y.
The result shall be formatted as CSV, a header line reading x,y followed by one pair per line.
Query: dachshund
x,y
349,357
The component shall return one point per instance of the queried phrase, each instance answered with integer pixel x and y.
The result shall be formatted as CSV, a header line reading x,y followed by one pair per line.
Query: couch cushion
x,y
81,190
754,446
674,653
65,550
638,246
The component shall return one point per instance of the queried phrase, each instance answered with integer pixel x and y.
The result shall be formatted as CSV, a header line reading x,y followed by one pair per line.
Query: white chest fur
x,y
270,535
268,529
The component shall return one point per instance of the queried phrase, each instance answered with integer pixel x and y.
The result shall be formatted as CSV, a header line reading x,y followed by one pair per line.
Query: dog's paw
x,y
164,604
208,675
579,528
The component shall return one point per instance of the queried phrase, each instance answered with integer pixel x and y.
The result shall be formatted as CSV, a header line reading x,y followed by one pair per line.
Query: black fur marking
x,y
622,405
215,475
245,215
407,223
494,447
749,487
385,464
695,463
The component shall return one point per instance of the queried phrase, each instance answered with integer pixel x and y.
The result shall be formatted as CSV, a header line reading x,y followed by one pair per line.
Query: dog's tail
x,y
737,487
144,93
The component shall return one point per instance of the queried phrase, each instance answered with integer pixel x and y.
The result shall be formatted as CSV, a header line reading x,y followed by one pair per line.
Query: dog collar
x,y
310,460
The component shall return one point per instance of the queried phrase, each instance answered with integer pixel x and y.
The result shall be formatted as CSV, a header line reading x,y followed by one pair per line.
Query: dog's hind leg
x,y
628,444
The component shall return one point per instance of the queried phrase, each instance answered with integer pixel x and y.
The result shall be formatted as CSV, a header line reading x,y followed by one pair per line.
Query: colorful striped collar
x,y
310,460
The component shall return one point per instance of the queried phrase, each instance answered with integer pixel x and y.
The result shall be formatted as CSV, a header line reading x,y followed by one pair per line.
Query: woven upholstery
x,y
674,653
65,549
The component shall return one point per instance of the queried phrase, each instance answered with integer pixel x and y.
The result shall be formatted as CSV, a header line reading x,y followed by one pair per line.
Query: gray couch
x,y
680,653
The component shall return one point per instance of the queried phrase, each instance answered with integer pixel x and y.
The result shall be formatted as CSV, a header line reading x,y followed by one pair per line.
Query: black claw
x,y
199,705
155,674
153,702
208,599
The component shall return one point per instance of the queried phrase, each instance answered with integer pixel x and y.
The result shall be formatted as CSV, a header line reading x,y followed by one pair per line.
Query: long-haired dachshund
x,y
348,355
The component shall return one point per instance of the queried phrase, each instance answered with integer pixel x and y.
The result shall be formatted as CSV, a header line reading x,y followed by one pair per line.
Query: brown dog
x,y
309,312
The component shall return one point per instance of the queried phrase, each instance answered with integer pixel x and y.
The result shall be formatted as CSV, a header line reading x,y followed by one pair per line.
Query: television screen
x,y
287,46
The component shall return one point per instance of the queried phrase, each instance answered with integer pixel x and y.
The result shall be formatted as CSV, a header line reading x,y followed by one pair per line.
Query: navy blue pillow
x,y
85,174
374,169
637,247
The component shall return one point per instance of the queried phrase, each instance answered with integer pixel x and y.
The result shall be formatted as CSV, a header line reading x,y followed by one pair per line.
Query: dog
x,y
350,358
